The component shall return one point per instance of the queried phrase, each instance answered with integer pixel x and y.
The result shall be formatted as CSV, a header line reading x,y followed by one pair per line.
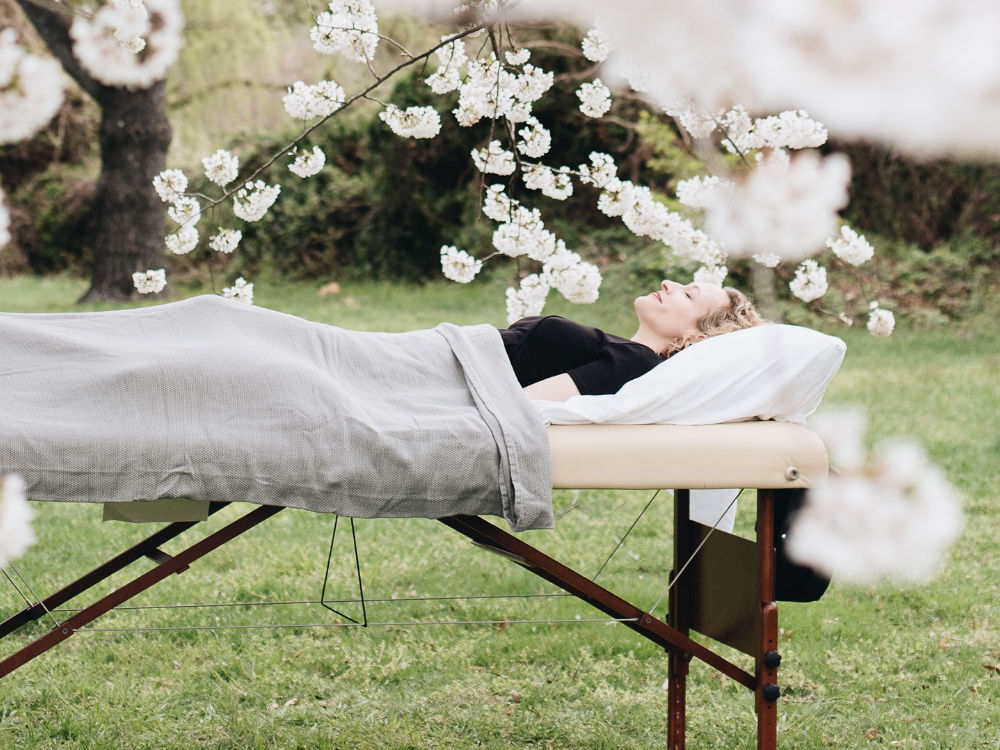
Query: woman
x,y
555,359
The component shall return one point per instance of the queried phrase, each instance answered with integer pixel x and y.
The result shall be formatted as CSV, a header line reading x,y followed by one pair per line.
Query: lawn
x,y
884,666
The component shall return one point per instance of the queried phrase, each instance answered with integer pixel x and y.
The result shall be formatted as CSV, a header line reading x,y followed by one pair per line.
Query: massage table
x,y
723,584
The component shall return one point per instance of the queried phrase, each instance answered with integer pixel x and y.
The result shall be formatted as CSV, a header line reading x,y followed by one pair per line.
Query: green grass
x,y
912,663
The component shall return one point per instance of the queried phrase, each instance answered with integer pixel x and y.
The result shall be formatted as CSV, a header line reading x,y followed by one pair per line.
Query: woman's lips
x,y
658,297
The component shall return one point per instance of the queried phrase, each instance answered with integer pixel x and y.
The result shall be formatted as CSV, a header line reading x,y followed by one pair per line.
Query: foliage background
x,y
383,206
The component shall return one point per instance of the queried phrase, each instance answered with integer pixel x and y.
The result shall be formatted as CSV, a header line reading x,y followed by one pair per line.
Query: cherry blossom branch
x,y
347,103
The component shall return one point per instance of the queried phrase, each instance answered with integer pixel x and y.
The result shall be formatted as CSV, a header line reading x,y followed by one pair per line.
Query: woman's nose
x,y
668,285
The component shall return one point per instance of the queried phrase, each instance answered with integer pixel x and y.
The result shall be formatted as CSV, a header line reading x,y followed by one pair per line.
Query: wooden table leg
x,y
767,658
679,618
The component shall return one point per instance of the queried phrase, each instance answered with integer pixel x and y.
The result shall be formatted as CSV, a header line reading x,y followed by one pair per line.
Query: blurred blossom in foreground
x,y
785,207
892,516
130,45
920,75
16,534
31,90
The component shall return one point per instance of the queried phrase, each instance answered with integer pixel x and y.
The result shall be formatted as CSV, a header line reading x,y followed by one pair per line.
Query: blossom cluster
x,y
241,291
595,98
412,122
129,44
149,282
851,247
253,200
31,90
221,167
304,102
458,265
308,163
489,89
349,27
888,515
880,322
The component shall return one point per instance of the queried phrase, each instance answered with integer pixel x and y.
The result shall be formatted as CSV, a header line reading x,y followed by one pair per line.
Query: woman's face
x,y
673,311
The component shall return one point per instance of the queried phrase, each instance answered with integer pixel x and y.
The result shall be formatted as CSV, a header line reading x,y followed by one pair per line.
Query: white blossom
x,y
696,121
600,171
881,322
535,139
221,167
532,83
170,185
225,240
809,282
453,54
444,79
517,58
350,28
308,163
183,241
253,199
787,208
31,90
97,42
596,46
851,247
458,265
494,159
304,102
711,275
892,518
16,534
524,234
554,184
769,260
792,129
185,211
241,291
579,283
527,299
615,197
595,98
702,192
412,122
150,282
497,205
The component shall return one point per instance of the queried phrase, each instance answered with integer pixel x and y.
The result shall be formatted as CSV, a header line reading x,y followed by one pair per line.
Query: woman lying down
x,y
213,400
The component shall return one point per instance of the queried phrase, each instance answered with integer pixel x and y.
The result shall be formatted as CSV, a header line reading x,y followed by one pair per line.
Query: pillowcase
x,y
773,371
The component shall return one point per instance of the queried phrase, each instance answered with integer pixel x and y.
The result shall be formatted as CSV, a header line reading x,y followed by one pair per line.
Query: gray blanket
x,y
211,399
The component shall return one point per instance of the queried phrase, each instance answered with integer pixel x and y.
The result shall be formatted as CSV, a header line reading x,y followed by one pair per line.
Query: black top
x,y
599,363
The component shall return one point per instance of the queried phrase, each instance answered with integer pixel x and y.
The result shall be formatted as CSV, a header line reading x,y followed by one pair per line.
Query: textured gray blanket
x,y
212,399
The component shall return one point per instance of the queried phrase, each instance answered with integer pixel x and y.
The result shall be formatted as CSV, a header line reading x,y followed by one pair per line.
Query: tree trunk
x,y
131,219
135,133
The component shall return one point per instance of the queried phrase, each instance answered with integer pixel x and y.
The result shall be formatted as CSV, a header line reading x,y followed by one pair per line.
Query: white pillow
x,y
772,371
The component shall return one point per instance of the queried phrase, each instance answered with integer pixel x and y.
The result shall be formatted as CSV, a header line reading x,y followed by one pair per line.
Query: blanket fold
x,y
215,400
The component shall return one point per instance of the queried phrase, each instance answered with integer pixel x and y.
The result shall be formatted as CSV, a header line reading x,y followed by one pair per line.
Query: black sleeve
x,y
613,367
540,347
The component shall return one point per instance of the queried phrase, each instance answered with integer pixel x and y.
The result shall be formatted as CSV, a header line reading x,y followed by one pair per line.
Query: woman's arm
x,y
557,388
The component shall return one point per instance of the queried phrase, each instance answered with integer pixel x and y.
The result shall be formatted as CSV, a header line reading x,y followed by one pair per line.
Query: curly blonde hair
x,y
740,313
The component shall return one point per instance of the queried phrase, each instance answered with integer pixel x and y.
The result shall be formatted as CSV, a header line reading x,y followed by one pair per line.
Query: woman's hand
x,y
557,388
